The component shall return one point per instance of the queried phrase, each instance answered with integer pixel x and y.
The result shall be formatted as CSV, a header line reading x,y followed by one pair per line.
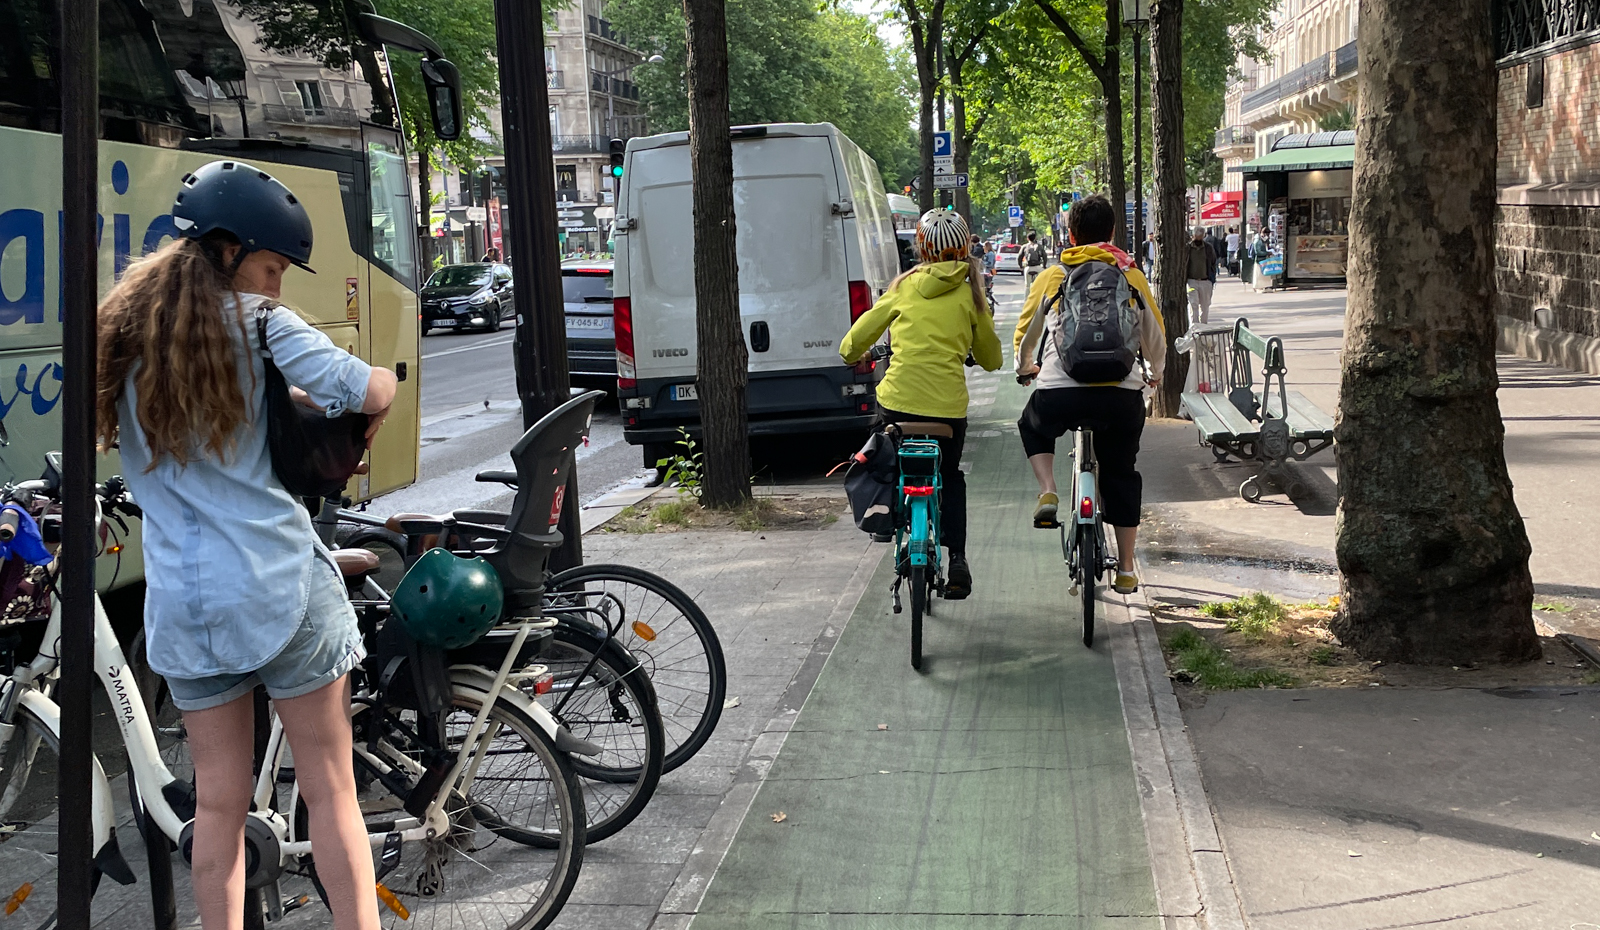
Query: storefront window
x,y
1318,232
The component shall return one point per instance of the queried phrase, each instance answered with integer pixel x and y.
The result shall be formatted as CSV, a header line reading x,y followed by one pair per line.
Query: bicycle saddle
x,y
355,563
924,428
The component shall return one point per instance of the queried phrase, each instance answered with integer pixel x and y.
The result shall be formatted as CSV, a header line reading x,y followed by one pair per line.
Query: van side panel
x,y
880,256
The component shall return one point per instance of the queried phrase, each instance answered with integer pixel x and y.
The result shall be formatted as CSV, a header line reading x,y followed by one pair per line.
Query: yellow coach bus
x,y
300,88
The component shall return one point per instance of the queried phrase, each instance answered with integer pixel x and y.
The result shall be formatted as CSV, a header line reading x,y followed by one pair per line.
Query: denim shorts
x,y
326,646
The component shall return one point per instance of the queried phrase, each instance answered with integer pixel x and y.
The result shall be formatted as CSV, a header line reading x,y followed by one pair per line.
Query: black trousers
x,y
1116,415
953,503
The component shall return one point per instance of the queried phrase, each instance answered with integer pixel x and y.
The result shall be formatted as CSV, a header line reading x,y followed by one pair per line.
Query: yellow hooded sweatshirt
x,y
933,324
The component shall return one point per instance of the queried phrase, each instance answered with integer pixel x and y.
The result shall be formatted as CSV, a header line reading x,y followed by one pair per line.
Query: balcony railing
x,y
1234,135
1345,60
555,80
581,145
1309,75
1522,25
604,29
343,117
616,87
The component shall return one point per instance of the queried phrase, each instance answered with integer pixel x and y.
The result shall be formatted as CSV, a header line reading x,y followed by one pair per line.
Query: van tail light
x,y
622,325
860,299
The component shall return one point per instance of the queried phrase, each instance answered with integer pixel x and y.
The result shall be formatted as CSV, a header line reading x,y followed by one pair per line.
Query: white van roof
x,y
763,130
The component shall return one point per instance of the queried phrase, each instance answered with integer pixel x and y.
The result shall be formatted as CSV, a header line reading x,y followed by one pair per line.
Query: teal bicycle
x,y
916,535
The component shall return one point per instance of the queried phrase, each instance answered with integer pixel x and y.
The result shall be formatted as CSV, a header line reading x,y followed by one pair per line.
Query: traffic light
x,y
618,148
1065,199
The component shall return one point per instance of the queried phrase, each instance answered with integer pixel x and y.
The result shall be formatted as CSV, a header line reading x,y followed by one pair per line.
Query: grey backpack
x,y
1097,339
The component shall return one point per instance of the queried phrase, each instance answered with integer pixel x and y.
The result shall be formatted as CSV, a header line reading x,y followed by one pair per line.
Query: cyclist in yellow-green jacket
x,y
936,316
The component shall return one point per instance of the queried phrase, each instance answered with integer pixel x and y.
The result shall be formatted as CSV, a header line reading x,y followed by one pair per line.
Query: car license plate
x,y
444,322
586,322
684,392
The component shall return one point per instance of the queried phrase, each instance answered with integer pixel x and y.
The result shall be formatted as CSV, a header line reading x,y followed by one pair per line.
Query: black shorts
x,y
1116,416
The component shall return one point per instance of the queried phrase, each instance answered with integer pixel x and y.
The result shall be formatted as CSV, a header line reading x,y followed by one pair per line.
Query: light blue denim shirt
x,y
227,551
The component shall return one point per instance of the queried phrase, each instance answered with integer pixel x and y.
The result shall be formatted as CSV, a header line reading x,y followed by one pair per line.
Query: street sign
x,y
947,181
568,214
944,165
942,146
916,183
1014,216
477,214
569,224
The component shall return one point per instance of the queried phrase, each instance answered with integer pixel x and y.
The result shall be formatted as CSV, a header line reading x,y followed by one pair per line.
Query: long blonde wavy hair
x,y
167,317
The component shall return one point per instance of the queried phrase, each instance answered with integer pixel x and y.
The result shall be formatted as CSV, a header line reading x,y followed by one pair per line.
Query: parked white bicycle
x,y
439,791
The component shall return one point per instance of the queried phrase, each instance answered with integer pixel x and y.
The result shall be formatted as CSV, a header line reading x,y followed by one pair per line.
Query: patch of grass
x,y
752,515
1322,655
1210,668
1591,678
1254,615
1553,607
673,512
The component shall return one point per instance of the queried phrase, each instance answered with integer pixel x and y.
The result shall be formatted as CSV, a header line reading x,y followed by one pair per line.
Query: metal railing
x,y
604,29
1345,60
1523,25
316,116
580,145
1234,135
616,87
1309,75
555,80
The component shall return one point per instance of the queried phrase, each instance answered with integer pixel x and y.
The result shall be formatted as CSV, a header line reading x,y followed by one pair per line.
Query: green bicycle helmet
x,y
446,601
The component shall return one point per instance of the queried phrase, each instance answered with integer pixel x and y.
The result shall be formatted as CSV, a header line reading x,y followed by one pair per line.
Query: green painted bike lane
x,y
1001,794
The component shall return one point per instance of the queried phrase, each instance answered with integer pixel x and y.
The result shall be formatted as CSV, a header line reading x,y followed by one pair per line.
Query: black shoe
x,y
959,584
883,537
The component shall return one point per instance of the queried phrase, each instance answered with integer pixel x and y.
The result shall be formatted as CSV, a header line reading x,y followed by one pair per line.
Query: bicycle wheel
x,y
675,644
1088,557
613,706
29,764
489,872
919,605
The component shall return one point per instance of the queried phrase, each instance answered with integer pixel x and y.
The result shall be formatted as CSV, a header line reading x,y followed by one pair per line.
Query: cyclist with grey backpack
x,y
1083,328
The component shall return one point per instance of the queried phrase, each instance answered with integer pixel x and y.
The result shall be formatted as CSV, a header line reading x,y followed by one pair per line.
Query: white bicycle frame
x,y
27,686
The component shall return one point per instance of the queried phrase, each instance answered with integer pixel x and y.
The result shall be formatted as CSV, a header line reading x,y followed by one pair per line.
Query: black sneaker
x,y
882,537
959,584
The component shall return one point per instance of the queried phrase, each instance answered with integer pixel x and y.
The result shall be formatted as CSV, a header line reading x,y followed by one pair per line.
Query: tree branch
x,y
1096,65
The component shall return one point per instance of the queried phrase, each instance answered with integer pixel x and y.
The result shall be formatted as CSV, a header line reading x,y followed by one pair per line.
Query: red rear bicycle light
x,y
919,490
622,326
1086,508
543,683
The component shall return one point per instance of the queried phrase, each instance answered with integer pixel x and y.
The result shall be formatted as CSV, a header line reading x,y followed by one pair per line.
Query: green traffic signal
x,y
616,171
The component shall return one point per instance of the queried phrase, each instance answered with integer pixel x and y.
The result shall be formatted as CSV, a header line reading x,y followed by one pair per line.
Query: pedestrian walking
x,y
491,257
1216,243
1233,250
1032,260
1148,258
1201,263
239,592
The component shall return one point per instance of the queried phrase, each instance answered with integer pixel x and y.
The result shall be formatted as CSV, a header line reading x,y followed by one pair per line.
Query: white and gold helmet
x,y
942,236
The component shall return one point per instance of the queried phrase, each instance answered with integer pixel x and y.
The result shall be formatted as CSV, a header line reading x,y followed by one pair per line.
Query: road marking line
x,y
482,345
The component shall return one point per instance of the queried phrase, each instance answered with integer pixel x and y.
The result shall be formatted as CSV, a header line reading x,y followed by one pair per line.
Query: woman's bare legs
x,y
318,728
221,742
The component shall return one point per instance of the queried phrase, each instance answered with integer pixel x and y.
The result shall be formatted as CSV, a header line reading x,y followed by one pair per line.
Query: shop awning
x,y
1315,158
1218,211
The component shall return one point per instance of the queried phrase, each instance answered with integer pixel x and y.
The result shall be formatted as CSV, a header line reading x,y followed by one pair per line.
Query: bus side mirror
x,y
443,83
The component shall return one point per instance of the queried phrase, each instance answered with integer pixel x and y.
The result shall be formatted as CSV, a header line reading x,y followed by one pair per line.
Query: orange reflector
x,y
1086,508
643,631
543,683
114,550
919,490
392,902
18,897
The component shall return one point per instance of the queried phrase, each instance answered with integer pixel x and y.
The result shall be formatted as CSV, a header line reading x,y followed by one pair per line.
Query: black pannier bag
x,y
872,483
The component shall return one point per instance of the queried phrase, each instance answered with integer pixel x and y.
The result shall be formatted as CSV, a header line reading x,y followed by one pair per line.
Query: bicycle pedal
x,y
1072,591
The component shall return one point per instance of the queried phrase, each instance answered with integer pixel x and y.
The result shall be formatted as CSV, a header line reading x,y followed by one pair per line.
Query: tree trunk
x,y
425,213
1111,87
927,88
1433,556
1166,97
722,363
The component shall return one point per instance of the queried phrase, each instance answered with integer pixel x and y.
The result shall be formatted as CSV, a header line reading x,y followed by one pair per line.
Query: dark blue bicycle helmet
x,y
246,202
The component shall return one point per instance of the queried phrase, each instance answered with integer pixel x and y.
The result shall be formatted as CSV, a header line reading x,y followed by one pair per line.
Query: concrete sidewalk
x,y
1389,807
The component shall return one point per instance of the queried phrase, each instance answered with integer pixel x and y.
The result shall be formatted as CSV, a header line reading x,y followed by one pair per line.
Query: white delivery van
x,y
816,248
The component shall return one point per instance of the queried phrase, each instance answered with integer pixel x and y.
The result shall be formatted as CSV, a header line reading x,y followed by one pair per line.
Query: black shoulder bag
x,y
312,454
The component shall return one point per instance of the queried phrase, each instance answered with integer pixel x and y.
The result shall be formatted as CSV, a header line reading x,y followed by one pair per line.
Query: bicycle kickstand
x,y
894,590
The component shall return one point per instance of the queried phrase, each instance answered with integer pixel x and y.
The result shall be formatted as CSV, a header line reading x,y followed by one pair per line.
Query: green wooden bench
x,y
1269,426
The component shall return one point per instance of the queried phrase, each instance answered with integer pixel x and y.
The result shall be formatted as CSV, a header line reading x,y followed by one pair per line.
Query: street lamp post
x,y
1136,16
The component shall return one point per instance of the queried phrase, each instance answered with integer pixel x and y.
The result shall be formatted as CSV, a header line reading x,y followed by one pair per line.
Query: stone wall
x,y
1549,256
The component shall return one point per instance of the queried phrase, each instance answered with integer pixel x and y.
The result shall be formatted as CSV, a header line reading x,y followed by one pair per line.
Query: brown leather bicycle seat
x,y
926,428
353,563
396,523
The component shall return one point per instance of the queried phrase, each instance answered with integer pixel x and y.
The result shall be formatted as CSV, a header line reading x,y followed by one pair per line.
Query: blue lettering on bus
x,y
38,401
27,225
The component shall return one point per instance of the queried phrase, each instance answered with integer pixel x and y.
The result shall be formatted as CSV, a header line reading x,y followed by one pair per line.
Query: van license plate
x,y
684,392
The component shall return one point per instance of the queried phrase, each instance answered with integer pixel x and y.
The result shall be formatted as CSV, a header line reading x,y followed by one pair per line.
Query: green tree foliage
x,y
787,62
464,30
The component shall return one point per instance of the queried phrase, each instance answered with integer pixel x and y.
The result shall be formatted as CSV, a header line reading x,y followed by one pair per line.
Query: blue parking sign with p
x,y
941,144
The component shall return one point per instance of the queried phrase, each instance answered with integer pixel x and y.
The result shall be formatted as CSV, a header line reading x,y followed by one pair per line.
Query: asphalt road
x,y
470,419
